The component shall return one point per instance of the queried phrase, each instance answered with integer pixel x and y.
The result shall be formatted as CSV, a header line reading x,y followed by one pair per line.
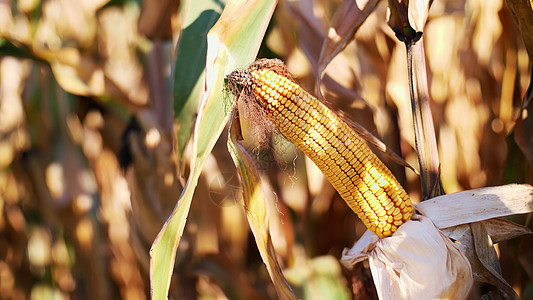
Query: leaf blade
x,y
232,43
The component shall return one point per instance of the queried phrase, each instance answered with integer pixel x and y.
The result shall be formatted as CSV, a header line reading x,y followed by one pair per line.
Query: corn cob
x,y
362,180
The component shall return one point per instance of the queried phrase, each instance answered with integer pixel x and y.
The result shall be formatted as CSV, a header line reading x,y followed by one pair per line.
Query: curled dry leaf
x,y
398,21
407,18
418,14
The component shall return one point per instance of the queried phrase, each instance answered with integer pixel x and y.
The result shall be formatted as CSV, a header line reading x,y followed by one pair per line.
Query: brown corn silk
x,y
362,180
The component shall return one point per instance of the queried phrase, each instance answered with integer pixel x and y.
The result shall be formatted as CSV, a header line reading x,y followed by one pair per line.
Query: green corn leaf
x,y
232,43
189,68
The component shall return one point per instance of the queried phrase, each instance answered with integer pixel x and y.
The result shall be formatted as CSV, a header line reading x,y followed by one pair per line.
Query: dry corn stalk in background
x,y
363,181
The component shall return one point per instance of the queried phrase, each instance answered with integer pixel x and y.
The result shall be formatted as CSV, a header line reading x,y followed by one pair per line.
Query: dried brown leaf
x,y
426,143
501,230
524,125
346,21
523,13
474,242
311,38
491,271
369,137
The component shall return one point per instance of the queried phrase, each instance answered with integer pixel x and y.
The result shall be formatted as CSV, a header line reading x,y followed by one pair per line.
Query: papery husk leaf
x,y
256,209
233,43
478,205
359,251
416,262
347,19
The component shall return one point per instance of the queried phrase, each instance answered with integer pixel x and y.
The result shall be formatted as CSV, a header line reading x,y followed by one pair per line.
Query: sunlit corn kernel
x,y
389,207
294,108
342,149
292,127
396,211
374,188
346,180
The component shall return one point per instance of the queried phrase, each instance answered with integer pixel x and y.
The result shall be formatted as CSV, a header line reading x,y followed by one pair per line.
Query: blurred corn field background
x,y
98,101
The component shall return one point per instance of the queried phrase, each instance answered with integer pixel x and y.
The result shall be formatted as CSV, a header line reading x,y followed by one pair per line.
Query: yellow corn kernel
x,y
362,180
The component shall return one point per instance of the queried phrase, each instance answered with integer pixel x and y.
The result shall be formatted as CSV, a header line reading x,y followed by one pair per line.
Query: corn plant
x,y
145,151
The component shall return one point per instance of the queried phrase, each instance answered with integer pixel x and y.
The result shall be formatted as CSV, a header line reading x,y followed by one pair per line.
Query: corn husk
x,y
419,261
